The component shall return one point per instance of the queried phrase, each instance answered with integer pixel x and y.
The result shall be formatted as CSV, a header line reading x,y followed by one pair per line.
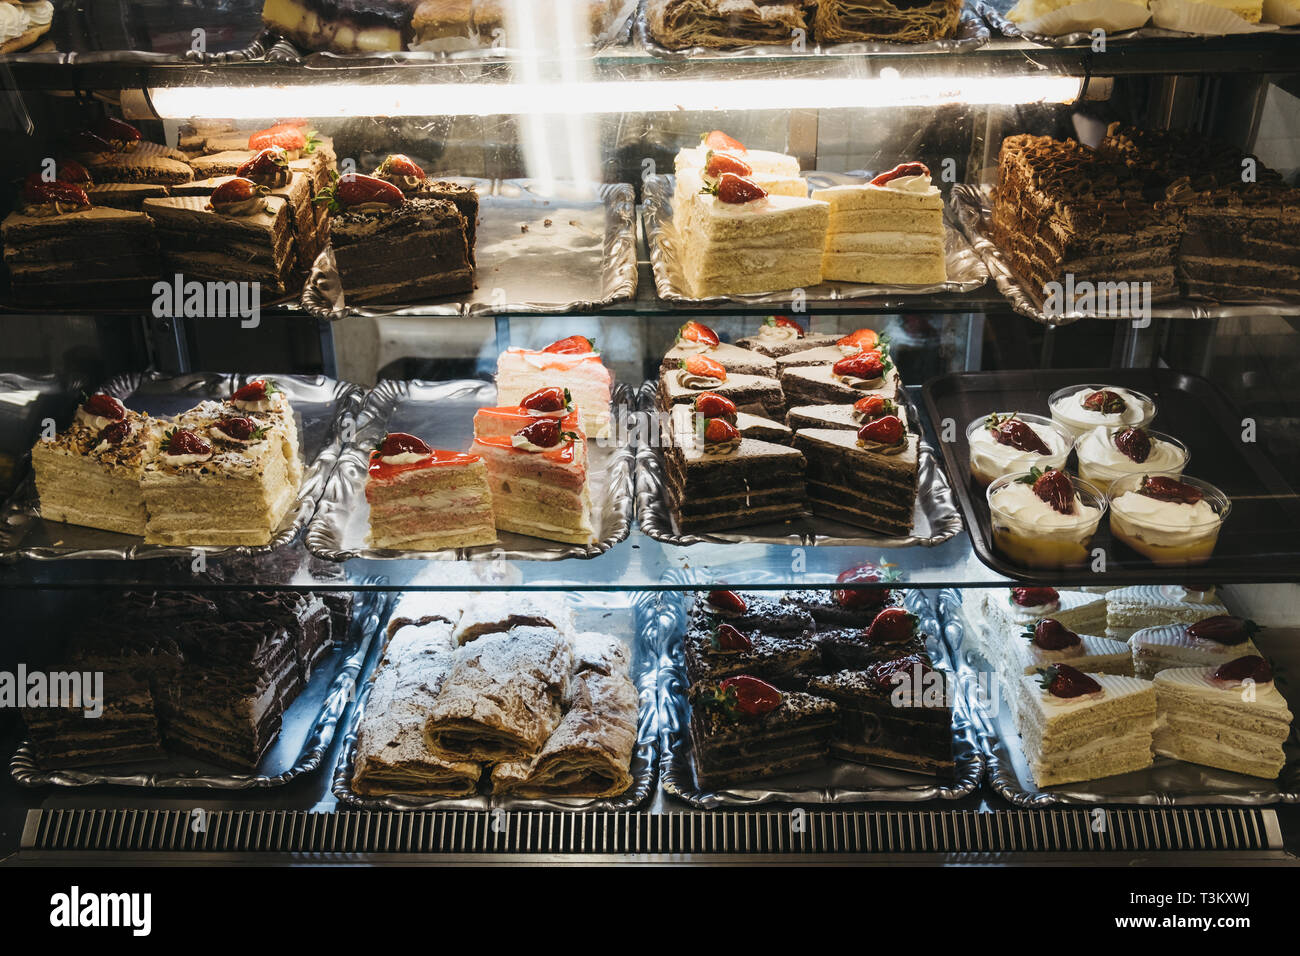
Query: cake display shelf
x,y
443,414
966,272
321,408
839,781
306,733
571,248
1257,542
936,518
1167,782
972,33
995,12
589,613
971,208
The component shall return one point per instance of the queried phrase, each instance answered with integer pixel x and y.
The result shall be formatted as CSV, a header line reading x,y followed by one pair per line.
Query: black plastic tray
x,y
1260,540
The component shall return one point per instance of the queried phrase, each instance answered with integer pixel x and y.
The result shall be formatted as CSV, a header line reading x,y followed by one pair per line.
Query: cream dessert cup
x,y
1167,532
1102,462
990,460
1032,533
1069,413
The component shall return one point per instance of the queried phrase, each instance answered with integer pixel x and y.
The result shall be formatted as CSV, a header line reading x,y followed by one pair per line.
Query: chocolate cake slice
x,y
711,486
465,198
757,394
776,345
850,482
125,195
733,358
819,385
831,609
834,416
894,713
125,732
763,429
852,648
201,243
418,250
749,612
711,656
733,746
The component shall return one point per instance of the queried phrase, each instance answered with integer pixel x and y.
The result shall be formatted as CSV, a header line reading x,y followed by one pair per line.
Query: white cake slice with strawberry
x,y
699,167
551,402
572,363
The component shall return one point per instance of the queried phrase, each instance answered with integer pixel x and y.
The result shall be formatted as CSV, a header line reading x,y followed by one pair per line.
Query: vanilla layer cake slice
x,y
89,473
862,484
425,499
889,231
1149,605
520,372
539,482
1081,612
690,184
762,161
1098,734
207,484
1091,654
1158,648
268,403
765,245
1233,717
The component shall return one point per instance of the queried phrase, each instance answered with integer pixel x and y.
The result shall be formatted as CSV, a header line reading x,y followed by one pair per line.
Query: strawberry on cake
x,y
553,402
423,499
1205,643
695,338
572,363
266,401
842,382
698,167
698,374
781,335
539,482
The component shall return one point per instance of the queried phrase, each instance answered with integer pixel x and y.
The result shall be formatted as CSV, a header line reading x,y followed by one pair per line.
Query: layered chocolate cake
x,y
723,650
682,385
867,479
750,612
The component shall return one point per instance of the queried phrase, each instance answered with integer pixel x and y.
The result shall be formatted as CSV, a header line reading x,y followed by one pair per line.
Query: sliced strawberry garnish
x,y
116,433
727,601
887,430
399,164
698,332
1013,432
38,191
753,697
356,190
287,137
1051,635
573,345
122,135
105,406
719,431
1223,629
258,390
182,441
240,427
884,674
736,190
270,167
874,406
237,197
400,443
1105,401
865,365
705,367
1251,667
713,405
71,171
1062,680
718,163
1035,597
720,140
1134,443
893,625
1169,489
785,322
552,399
728,638
1053,486
545,433
861,597
862,339
902,169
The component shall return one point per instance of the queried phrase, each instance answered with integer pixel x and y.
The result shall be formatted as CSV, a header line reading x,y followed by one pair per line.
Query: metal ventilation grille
x,y
723,832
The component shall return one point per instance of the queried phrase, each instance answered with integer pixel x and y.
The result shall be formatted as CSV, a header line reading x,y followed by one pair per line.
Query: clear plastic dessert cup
x,y
1041,537
1101,463
1167,533
990,461
1064,407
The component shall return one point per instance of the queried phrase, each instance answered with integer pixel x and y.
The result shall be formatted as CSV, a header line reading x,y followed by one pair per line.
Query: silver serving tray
x,y
590,614
321,405
935,520
972,33
1166,783
970,205
584,260
442,413
966,272
306,731
839,781
995,14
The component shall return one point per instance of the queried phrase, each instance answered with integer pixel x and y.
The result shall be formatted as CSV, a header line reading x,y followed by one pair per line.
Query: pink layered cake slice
x,y
423,499
552,402
571,363
539,481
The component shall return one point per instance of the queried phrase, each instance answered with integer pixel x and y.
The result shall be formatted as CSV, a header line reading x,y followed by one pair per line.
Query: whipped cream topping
x,y
910,184
1167,521
1097,447
849,350
691,347
1032,614
97,422
1070,408
270,403
1017,501
862,384
984,448
697,382
402,458
184,459
558,413
216,432
777,334
17,19
523,444
1176,592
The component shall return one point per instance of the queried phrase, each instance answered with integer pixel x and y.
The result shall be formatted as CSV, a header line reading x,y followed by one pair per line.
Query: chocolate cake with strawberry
x,y
893,632
717,651
743,728
695,338
391,248
866,592
749,612
843,381
867,478
407,175
781,335
696,374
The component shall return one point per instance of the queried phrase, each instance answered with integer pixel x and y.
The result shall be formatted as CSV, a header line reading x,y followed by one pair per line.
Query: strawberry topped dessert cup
x,y
1170,520
1045,519
1009,443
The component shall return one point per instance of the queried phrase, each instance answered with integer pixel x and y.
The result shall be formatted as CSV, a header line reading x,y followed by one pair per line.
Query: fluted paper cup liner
x,y
1187,17
1112,16
1282,12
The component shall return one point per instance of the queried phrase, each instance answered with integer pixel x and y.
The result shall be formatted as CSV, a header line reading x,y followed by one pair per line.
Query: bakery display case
x,y
648,431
